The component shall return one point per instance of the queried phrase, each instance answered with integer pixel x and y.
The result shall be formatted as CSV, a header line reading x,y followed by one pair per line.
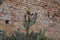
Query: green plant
x,y
16,35
39,36
29,20
2,35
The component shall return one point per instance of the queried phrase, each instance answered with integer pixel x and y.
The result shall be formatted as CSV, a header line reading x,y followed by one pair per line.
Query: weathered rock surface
x,y
48,14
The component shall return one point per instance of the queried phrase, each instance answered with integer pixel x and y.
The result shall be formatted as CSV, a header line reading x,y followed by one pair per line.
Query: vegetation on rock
x,y
29,20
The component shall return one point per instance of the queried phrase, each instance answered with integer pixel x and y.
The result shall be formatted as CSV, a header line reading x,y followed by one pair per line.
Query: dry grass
x,y
8,28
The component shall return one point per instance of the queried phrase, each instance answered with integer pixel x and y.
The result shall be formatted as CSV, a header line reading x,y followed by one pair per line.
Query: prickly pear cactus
x,y
29,20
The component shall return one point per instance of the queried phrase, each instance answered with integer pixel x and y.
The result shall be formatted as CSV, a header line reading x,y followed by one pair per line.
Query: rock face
x,y
14,11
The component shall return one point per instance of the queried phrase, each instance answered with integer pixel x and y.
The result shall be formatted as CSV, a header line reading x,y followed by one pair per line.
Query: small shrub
x,y
2,35
29,20
16,35
39,36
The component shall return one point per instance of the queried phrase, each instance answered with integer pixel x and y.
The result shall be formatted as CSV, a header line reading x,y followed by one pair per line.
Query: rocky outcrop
x,y
14,11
